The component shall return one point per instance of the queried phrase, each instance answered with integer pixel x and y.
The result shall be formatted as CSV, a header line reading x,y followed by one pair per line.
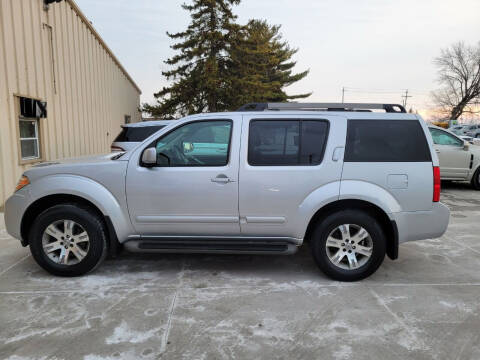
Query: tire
x,y
331,228
476,180
81,254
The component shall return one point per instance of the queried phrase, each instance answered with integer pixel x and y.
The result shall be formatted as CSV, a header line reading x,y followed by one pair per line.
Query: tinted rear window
x,y
287,142
137,134
386,141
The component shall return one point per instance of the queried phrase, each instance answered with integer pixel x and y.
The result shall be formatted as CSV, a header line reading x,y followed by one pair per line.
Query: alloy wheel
x,y
65,242
349,246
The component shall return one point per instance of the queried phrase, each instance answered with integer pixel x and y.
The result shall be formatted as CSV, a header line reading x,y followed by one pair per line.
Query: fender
x,y
366,191
314,201
90,190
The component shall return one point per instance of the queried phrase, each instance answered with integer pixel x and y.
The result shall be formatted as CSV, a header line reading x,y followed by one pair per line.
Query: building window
x,y
29,115
128,119
29,142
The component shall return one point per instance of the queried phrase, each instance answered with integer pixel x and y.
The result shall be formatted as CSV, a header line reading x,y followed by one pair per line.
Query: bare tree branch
x,y
459,78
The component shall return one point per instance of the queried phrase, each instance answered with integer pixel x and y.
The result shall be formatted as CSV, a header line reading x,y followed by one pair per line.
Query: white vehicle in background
x,y
458,159
470,139
458,129
133,134
473,131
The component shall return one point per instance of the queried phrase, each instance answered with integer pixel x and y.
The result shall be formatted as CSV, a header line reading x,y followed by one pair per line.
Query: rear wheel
x,y
68,240
348,245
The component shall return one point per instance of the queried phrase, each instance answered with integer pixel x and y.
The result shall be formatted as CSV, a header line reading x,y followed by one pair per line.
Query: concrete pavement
x,y
425,305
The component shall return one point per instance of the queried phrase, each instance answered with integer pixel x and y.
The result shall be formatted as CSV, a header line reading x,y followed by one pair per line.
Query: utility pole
x,y
405,98
343,95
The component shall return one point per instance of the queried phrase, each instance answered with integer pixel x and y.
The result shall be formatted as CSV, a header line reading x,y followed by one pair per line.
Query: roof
x,y
100,40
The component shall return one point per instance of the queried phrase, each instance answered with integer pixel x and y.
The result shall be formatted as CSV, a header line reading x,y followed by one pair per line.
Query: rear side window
x,y
286,142
386,141
137,134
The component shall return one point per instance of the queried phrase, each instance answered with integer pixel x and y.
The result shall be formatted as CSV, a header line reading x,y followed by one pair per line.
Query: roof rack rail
x,y
389,108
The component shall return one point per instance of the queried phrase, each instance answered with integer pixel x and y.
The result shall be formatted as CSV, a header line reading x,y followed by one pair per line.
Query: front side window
x,y
286,142
443,138
201,143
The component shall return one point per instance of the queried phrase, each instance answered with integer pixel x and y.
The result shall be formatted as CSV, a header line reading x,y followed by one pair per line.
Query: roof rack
x,y
389,108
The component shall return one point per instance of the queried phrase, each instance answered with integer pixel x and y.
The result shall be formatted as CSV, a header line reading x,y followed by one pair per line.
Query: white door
x,y
193,190
284,160
454,159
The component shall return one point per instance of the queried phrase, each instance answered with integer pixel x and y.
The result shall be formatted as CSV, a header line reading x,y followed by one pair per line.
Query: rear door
x,y
283,160
454,159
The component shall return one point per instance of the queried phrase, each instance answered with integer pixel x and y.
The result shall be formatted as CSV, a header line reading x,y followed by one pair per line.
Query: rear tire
x,y
68,240
355,248
476,180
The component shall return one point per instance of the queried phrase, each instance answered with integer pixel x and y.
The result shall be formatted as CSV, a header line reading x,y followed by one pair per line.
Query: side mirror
x,y
466,145
149,157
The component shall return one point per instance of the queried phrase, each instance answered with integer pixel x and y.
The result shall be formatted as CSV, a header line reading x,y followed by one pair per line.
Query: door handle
x,y
222,179
437,151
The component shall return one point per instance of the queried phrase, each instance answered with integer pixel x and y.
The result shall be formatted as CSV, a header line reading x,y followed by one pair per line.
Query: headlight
x,y
22,183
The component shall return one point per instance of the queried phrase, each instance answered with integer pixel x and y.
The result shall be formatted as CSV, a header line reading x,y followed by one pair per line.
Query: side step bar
x,y
212,245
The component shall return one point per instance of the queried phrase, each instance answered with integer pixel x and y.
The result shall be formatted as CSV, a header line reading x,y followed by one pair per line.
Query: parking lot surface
x,y
425,305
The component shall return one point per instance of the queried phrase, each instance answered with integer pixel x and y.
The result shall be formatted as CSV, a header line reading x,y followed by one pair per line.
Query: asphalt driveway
x,y
425,305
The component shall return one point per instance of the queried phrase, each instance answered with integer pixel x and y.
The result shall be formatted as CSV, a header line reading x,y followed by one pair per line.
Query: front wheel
x,y
348,245
68,240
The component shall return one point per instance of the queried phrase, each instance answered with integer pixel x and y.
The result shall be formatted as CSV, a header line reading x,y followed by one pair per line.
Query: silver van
x,y
351,181
133,134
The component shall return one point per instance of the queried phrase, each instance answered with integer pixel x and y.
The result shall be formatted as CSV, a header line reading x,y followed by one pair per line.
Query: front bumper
x,y
421,225
14,209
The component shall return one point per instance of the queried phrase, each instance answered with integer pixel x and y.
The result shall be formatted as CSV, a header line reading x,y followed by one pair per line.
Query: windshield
x,y
137,134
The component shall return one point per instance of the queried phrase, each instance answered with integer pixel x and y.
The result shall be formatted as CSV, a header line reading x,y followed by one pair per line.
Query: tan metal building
x,y
63,93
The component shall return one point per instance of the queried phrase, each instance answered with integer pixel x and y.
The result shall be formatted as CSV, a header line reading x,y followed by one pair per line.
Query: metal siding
x,y
92,91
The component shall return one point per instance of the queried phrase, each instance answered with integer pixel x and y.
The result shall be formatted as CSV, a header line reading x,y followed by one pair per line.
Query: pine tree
x,y
260,66
199,76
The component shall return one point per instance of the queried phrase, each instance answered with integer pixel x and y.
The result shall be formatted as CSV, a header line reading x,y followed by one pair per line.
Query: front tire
x,y
68,240
348,245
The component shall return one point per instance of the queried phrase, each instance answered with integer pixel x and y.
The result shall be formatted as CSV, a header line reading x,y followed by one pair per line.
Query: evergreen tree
x,y
260,66
200,67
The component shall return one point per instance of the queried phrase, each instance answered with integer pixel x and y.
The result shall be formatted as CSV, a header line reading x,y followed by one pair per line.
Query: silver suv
x,y
352,182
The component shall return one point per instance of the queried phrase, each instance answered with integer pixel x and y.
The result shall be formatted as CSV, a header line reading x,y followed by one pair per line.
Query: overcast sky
x,y
374,48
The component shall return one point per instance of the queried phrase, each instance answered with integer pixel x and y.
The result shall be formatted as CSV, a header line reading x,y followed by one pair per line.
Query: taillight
x,y
436,184
116,148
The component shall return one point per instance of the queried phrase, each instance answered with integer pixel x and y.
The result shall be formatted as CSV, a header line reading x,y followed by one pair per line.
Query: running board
x,y
212,245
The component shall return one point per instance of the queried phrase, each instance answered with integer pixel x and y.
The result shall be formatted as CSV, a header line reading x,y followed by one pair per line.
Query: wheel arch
x,y
43,203
388,226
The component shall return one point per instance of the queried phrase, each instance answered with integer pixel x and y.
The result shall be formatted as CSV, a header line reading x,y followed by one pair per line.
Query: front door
x,y
454,159
193,189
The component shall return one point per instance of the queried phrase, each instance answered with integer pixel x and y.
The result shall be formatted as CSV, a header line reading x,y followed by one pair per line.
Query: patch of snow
x,y
344,352
456,305
123,333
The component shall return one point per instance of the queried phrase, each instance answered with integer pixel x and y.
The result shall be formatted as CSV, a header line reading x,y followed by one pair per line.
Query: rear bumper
x,y
420,225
